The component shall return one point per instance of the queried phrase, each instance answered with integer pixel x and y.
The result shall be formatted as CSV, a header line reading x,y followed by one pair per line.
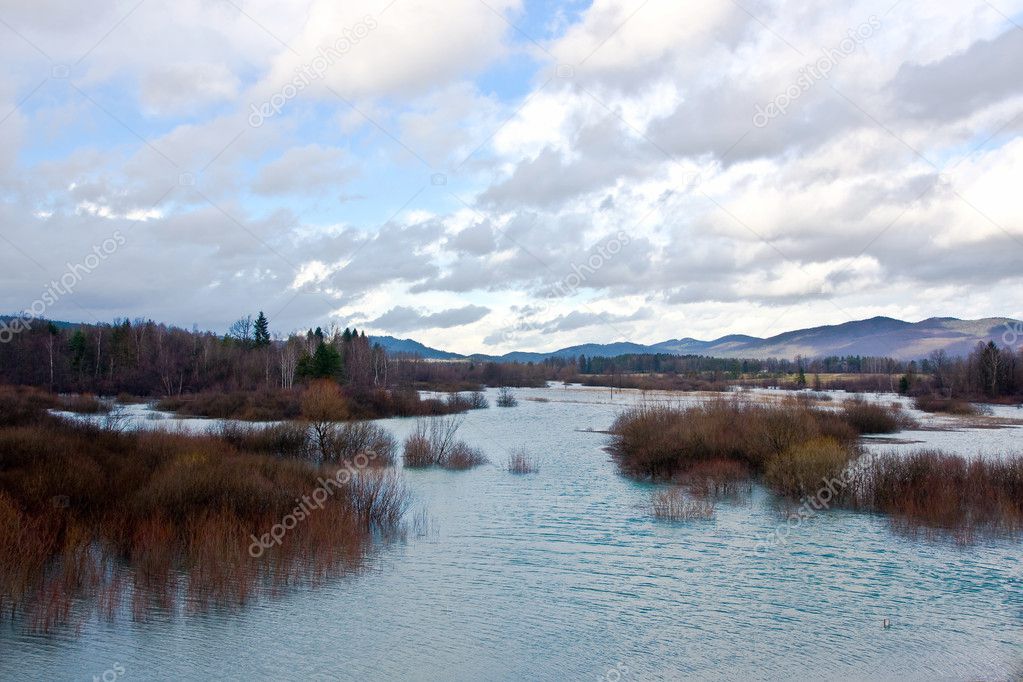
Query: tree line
x,y
145,358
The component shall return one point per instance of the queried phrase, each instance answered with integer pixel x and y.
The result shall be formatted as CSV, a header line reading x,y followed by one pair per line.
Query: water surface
x,y
563,574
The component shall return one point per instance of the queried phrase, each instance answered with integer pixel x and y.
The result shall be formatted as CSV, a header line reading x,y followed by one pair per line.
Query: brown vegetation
x,y
871,417
938,490
662,442
521,462
802,468
801,451
435,443
89,515
84,403
673,505
935,403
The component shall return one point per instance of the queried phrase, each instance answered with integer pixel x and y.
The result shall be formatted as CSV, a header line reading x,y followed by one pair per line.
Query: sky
x,y
497,175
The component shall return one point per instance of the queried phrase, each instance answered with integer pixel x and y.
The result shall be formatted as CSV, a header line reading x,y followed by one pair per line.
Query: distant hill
x,y
878,336
411,347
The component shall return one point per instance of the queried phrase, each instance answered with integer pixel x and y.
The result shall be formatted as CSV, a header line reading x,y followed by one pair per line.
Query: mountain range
x,y
877,336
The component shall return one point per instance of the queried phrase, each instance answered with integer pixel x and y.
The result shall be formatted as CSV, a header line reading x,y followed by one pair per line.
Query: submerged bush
x,y
673,505
344,442
935,489
435,443
662,442
88,515
520,462
804,468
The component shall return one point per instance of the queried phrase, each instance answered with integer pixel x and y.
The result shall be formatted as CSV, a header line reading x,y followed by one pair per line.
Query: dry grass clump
x,y
24,405
462,456
673,505
937,490
262,405
84,403
435,443
867,417
803,469
521,462
662,442
934,403
286,439
89,515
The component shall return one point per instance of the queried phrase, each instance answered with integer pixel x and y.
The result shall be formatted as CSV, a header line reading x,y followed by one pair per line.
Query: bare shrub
x,y
521,462
938,490
505,398
867,417
461,456
287,439
673,505
380,498
418,453
435,443
344,442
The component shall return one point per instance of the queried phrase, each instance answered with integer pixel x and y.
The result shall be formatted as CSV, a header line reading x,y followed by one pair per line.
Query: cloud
x,y
484,174
403,319
311,169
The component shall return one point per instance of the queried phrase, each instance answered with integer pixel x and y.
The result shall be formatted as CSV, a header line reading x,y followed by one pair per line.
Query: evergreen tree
x,y
77,346
261,334
326,362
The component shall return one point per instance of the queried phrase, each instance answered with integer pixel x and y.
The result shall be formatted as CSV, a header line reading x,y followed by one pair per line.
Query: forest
x,y
144,358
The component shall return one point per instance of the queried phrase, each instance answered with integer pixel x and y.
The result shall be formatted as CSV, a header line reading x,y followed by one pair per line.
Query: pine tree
x,y
261,336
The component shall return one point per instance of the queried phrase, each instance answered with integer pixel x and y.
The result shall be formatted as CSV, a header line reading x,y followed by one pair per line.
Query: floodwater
x,y
565,575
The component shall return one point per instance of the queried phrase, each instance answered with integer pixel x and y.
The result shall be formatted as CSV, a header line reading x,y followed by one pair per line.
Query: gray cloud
x,y
404,319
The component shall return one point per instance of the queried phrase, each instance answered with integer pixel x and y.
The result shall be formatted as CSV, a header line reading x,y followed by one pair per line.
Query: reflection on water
x,y
563,574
